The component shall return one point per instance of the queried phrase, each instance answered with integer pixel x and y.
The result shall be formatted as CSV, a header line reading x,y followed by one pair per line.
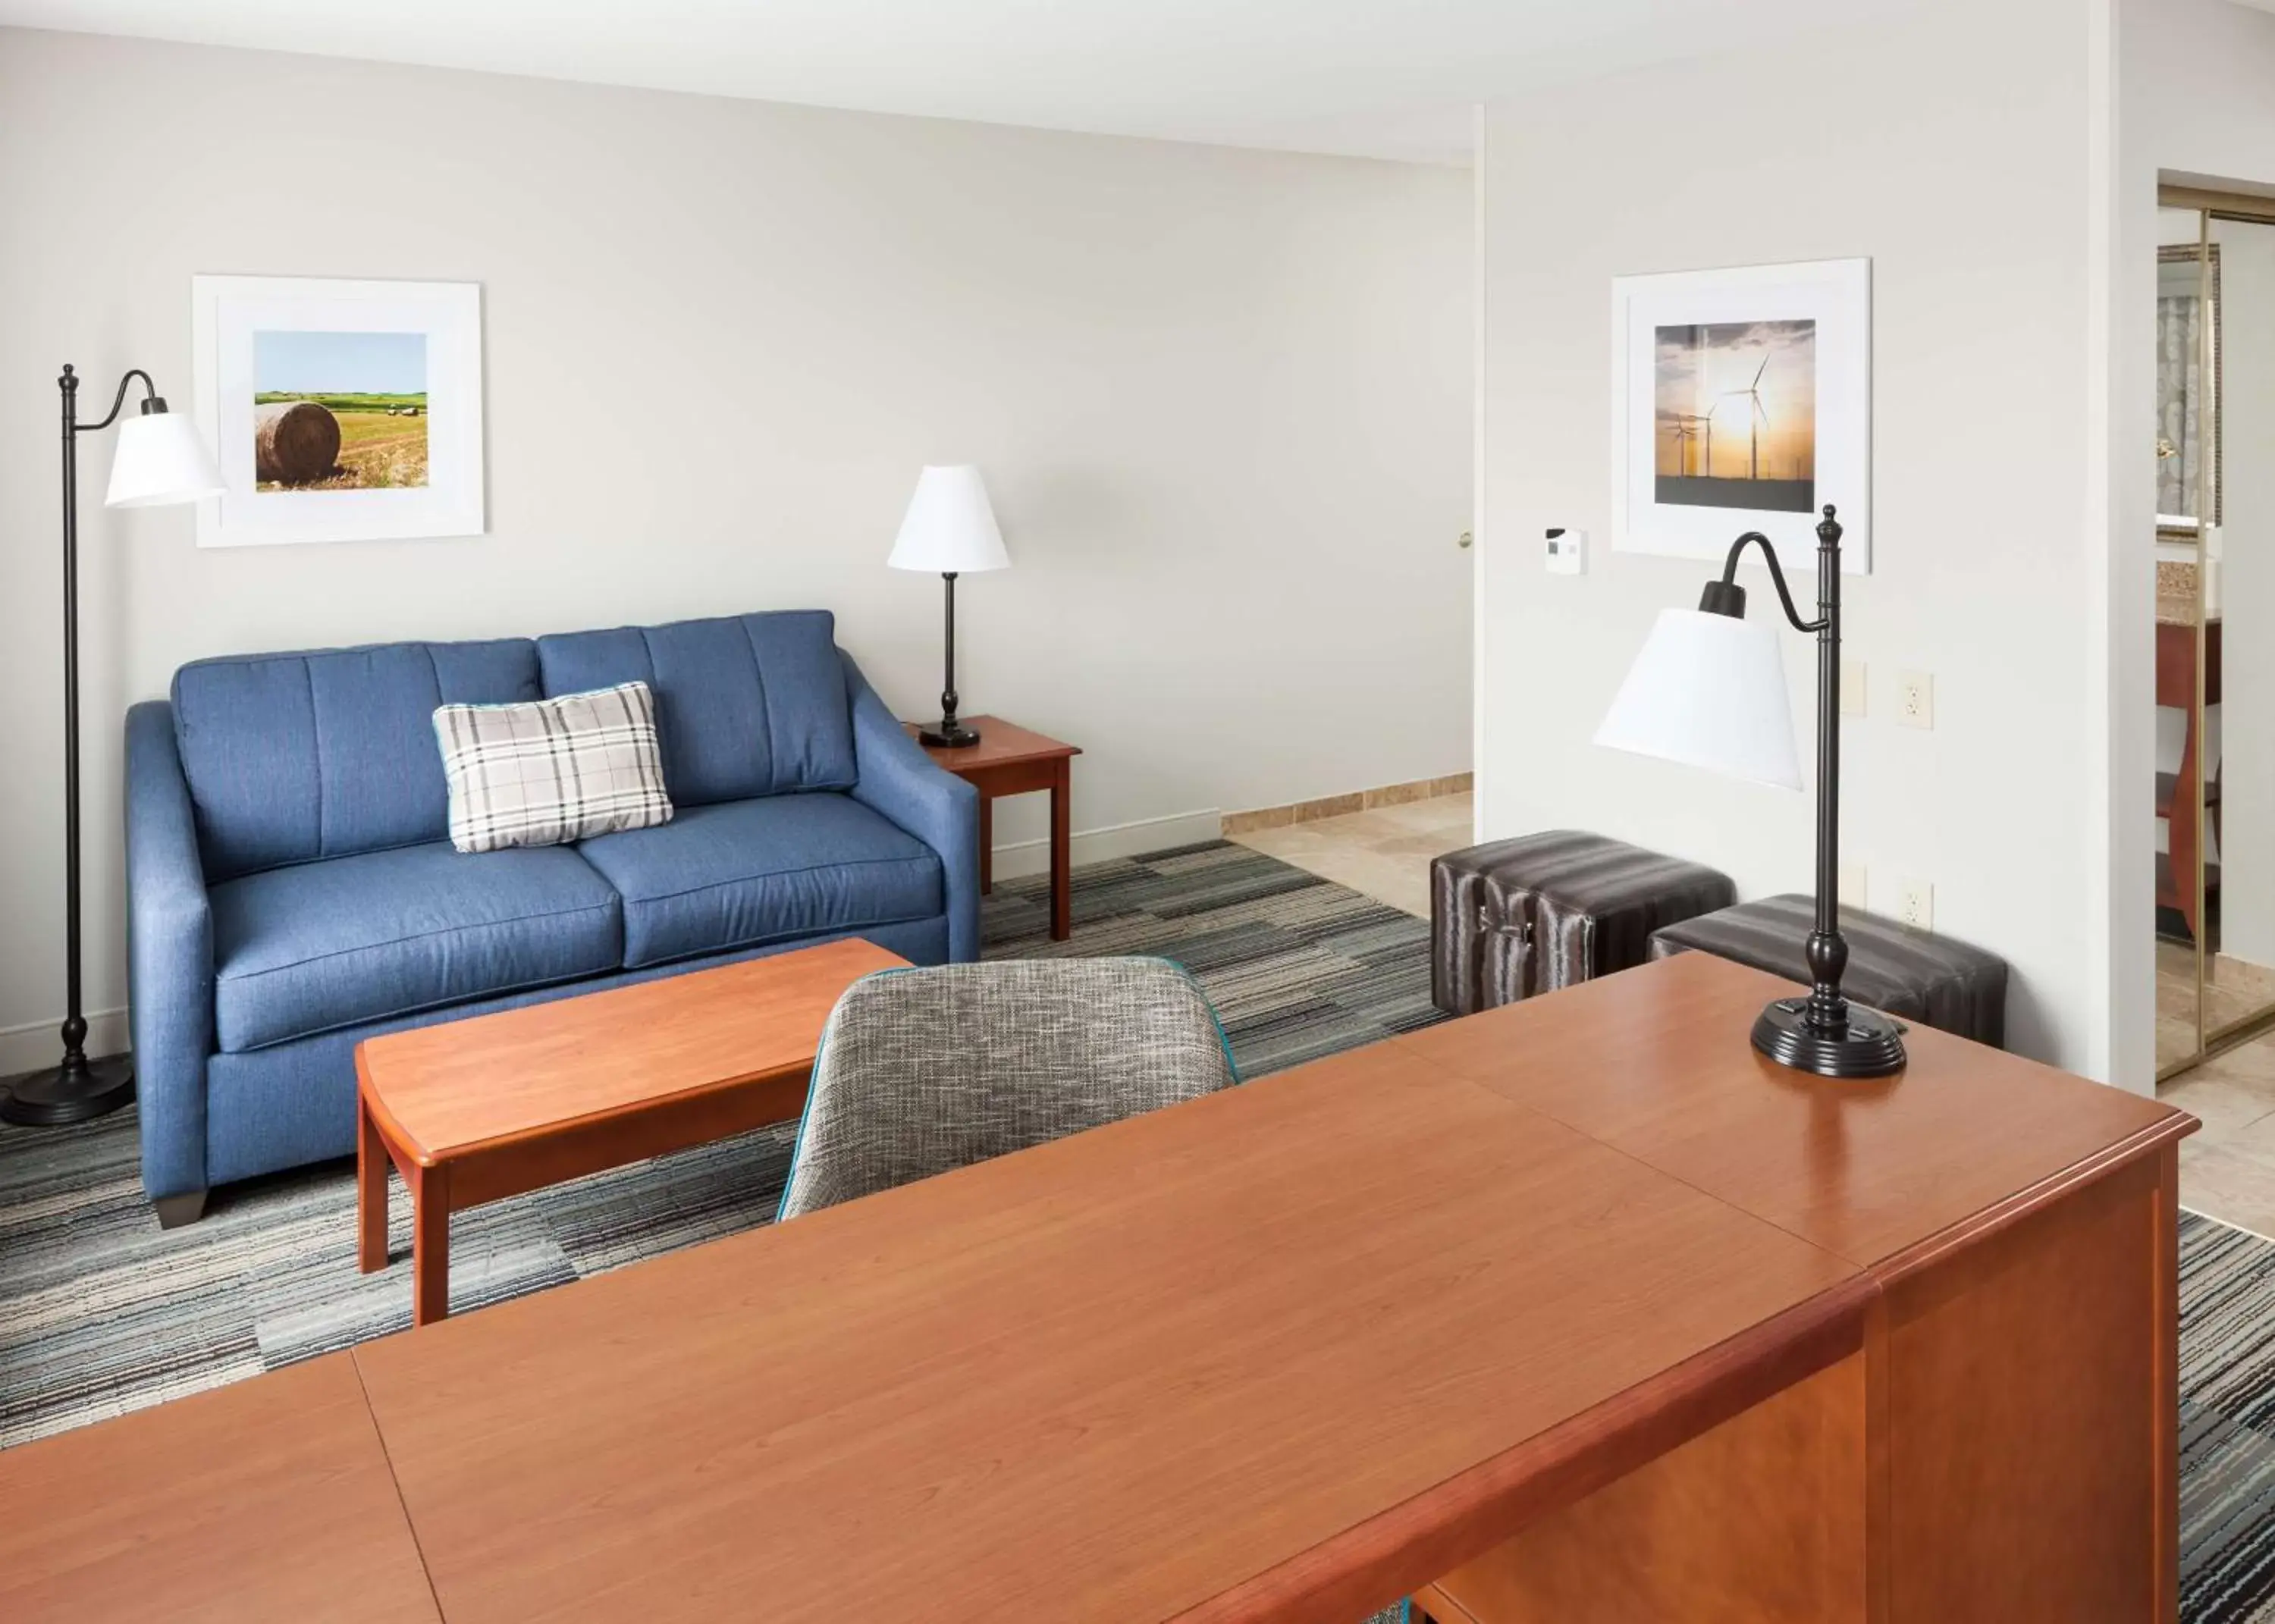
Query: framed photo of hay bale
x,y
340,411
1743,400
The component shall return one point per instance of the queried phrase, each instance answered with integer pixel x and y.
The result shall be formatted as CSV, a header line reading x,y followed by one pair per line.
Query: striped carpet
x,y
101,1313
2228,1424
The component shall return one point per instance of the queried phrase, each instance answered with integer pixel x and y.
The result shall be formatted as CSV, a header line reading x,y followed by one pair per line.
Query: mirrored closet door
x,y
2215,664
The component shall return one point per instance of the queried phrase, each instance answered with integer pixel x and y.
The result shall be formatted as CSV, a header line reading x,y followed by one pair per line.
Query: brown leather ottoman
x,y
1515,917
1913,975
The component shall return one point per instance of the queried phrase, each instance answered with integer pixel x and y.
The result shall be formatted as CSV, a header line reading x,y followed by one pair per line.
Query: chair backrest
x,y
922,1072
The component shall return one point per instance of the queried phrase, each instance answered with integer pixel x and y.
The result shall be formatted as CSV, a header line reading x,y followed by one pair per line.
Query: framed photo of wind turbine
x,y
1743,400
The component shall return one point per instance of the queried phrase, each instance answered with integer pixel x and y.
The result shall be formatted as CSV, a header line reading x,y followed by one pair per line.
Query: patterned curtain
x,y
2179,402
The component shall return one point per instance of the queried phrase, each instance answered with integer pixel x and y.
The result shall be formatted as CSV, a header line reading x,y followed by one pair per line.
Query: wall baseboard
x,y
1019,859
1337,805
34,1045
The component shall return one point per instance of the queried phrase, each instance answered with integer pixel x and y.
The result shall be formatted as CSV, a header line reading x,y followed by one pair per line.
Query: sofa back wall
x,y
1223,399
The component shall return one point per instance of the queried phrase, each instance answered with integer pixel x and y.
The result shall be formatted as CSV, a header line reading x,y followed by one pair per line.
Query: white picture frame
x,y
1812,323
242,325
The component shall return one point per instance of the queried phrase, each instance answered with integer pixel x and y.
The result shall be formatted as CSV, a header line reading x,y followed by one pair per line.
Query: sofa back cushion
x,y
294,757
750,705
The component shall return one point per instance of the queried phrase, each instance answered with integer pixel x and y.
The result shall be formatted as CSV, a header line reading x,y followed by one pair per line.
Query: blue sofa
x,y
292,890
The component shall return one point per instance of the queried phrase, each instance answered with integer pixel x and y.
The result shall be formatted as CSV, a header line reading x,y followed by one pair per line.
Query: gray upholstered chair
x,y
922,1072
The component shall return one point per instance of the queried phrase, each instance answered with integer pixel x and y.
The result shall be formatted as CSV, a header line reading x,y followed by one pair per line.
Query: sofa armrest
x,y
898,780
169,956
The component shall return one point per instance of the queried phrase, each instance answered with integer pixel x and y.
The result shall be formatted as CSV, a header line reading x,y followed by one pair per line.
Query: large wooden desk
x,y
267,1500
1573,1311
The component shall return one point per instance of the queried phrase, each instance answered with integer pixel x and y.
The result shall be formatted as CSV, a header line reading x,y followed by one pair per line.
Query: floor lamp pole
x,y
76,1089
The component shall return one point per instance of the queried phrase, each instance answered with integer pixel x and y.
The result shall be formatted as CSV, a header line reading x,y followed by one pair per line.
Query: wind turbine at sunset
x,y
1684,433
1705,420
1756,422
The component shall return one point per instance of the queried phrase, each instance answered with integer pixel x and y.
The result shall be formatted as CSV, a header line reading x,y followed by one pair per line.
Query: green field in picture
x,y
312,434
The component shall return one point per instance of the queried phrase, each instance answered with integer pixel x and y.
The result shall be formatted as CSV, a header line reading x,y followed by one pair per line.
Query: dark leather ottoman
x,y
1515,917
1913,975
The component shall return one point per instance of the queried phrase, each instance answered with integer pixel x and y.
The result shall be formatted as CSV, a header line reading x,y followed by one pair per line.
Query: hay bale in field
x,y
294,443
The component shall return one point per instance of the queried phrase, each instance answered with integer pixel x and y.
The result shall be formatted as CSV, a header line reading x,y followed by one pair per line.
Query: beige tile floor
x,y
1384,853
2233,989
2227,1170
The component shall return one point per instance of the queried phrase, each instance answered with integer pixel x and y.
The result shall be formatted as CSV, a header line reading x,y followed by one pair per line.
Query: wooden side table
x,y
1010,760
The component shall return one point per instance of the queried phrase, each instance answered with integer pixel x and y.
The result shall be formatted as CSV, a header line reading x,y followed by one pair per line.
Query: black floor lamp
x,y
160,460
1708,689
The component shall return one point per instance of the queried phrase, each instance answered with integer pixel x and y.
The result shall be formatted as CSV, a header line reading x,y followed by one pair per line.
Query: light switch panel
x,y
1852,688
1567,551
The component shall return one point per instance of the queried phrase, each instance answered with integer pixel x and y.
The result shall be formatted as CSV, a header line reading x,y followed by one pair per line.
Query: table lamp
x,y
950,528
159,460
1708,689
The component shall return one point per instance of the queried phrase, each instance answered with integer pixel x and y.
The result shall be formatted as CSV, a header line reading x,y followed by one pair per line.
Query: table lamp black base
x,y
948,735
1867,1045
62,1095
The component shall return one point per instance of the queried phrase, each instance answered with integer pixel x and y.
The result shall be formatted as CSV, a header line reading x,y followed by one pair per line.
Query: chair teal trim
x,y
1223,1037
806,1111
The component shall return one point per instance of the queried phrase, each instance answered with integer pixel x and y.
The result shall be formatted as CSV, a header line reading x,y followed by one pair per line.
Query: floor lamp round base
x,y
54,1098
1868,1046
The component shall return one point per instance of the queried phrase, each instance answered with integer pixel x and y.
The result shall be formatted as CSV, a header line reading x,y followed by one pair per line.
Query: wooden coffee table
x,y
475,1110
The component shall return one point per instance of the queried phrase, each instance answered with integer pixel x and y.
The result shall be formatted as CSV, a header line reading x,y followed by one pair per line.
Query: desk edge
x,y
1398,1551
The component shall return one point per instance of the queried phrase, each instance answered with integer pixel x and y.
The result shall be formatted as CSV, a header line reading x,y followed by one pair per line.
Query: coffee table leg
x,y
430,1243
1061,855
371,1191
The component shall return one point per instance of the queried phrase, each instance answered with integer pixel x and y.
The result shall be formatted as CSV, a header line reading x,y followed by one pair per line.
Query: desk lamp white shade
x,y
1708,690
950,528
160,460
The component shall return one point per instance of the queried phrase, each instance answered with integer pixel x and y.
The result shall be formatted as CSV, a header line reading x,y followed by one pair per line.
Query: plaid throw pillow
x,y
554,771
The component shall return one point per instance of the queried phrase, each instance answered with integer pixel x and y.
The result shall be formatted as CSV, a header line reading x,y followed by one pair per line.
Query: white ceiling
x,y
1374,78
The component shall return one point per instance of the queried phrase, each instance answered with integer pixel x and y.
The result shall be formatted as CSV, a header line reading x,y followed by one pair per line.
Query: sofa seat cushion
x,y
322,946
738,873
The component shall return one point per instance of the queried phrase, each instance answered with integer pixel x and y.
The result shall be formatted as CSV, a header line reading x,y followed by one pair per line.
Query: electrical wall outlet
x,y
1916,699
1567,551
1852,885
1916,904
1852,688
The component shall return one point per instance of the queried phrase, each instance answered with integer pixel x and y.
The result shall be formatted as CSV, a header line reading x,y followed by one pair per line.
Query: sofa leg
x,y
175,1210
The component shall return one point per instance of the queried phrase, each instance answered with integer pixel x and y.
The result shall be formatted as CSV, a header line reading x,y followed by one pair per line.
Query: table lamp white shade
x,y
1708,690
949,527
159,460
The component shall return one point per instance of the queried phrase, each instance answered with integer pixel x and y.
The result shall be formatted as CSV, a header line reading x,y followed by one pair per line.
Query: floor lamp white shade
x,y
1708,690
160,460
950,528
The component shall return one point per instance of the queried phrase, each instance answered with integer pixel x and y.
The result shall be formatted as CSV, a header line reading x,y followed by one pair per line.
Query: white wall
x,y
1951,146
1223,399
